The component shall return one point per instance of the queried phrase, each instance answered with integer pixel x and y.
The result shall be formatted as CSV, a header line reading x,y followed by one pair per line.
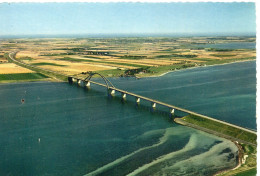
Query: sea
x,y
229,45
63,129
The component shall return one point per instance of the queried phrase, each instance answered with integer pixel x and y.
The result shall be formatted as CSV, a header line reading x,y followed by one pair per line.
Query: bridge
x,y
111,89
111,92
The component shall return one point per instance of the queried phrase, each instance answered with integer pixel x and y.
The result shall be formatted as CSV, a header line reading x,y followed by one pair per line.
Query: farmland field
x,y
22,76
140,57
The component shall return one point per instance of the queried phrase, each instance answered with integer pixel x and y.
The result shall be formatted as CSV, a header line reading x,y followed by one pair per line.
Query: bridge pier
x,y
111,92
172,111
137,100
74,80
80,82
87,84
153,105
70,80
123,96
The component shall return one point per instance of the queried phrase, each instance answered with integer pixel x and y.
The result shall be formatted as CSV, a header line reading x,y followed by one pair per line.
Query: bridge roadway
x,y
11,56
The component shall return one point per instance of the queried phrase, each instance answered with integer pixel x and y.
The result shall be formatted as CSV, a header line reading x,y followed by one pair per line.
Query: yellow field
x,y
27,54
146,62
122,55
75,68
7,68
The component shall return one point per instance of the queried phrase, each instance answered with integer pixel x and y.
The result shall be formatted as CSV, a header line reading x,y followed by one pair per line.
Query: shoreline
x,y
236,141
239,161
194,68
137,77
240,153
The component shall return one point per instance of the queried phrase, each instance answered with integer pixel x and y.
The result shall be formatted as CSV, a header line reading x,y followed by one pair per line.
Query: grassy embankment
x,y
217,127
246,140
250,172
40,73
21,77
46,63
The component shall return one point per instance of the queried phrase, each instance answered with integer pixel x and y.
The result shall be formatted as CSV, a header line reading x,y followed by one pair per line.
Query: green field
x,y
251,172
154,71
111,73
223,55
22,76
44,73
26,58
46,63
133,57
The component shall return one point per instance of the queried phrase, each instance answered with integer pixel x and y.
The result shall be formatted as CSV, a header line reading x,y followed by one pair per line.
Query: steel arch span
x,y
91,74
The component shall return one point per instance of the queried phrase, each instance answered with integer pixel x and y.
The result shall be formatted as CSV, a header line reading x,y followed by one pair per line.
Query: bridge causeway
x,y
111,92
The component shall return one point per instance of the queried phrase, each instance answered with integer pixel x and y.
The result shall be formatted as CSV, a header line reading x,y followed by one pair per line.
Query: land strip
x,y
245,141
224,130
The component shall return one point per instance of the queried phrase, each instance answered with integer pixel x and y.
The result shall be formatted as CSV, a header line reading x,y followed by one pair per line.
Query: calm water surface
x,y
62,129
231,45
226,92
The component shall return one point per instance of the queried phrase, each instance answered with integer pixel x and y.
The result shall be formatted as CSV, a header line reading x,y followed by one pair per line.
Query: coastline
x,y
238,164
137,77
240,153
162,74
238,142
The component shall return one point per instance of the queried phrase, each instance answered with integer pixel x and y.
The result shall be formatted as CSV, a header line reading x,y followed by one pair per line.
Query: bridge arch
x,y
91,74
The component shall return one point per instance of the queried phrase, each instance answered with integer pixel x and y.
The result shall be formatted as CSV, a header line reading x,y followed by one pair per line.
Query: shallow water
x,y
62,129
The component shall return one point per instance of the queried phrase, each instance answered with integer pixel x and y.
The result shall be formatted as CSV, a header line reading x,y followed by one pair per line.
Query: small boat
x,y
22,100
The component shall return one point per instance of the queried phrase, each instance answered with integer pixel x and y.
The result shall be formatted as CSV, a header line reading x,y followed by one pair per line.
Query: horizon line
x,y
107,35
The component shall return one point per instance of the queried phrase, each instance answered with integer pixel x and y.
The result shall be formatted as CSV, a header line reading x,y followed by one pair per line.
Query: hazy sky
x,y
118,18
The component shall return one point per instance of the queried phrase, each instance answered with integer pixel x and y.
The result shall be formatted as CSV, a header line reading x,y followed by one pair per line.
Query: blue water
x,y
231,45
62,129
